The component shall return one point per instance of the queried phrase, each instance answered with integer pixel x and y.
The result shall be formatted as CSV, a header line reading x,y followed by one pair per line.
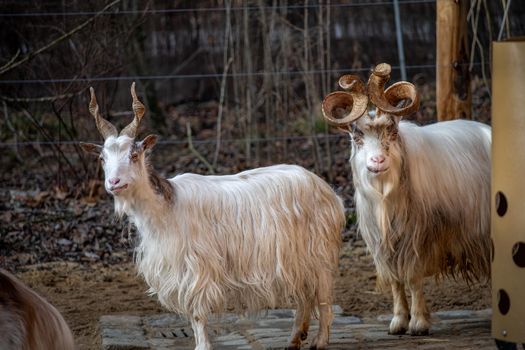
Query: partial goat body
x,y
27,321
256,239
421,193
261,238
431,214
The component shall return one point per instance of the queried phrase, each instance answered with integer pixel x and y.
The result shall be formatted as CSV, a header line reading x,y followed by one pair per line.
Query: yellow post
x,y
508,191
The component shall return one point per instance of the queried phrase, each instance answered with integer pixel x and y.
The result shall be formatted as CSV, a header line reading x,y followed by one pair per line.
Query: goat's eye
x,y
393,136
356,130
101,159
358,139
358,136
134,157
392,132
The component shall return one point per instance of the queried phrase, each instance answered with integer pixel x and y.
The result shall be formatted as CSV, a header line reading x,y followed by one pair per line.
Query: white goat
x,y
256,239
27,321
421,193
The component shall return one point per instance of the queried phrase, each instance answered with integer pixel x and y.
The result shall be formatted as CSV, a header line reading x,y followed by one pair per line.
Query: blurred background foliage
x,y
244,78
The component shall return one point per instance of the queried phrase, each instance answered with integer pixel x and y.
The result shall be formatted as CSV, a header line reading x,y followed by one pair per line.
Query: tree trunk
x,y
453,96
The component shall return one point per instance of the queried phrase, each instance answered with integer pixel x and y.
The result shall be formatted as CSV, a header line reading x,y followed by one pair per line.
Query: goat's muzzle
x,y
115,190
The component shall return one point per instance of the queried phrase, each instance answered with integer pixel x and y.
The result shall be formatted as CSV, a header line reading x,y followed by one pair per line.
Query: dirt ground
x,y
76,254
84,292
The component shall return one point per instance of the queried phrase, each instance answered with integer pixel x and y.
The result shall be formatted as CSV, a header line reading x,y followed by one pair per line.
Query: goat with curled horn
x,y
248,239
421,193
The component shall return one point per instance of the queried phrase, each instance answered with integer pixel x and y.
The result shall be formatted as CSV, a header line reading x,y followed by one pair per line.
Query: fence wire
x,y
205,75
217,75
215,9
183,142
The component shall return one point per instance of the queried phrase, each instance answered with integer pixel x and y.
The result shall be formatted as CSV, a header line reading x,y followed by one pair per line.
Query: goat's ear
x,y
91,148
148,142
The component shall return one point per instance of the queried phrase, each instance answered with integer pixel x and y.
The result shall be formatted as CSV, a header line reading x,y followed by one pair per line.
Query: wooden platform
x,y
458,329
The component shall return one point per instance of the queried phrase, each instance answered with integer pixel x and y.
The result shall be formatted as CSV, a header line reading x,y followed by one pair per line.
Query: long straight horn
x,y
342,108
138,111
105,128
387,100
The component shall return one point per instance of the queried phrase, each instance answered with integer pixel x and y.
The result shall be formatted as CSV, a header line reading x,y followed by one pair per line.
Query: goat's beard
x,y
120,206
378,186
384,183
383,190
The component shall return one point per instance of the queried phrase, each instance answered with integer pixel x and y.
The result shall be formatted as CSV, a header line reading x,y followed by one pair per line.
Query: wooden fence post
x,y
453,96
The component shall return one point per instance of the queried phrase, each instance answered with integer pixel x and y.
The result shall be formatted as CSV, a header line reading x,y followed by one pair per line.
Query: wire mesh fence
x,y
246,76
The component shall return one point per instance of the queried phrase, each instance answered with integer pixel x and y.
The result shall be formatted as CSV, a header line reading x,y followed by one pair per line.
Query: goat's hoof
x,y
318,344
295,343
418,327
398,325
399,331
419,332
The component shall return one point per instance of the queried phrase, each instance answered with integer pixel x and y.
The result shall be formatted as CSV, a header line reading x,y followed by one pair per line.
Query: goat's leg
x,y
399,323
300,326
202,341
420,316
324,302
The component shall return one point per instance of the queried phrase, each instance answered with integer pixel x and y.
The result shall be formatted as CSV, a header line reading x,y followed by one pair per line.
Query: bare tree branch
x,y
221,109
12,65
38,99
13,130
44,132
195,152
15,56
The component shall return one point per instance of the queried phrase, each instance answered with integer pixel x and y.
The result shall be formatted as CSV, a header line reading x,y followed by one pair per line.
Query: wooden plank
x,y
453,95
457,329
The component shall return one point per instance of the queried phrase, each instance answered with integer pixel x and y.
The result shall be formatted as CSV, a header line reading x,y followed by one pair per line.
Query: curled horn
x,y
138,110
387,100
105,128
341,108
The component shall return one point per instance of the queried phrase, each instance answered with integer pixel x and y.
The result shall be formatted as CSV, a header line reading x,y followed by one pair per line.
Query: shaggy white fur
x,y
257,239
27,321
261,238
425,211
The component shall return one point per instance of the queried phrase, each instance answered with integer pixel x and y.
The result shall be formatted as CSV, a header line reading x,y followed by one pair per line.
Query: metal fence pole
x,y
399,37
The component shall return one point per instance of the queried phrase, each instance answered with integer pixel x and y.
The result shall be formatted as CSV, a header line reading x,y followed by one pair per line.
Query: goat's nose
x,y
114,181
378,159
